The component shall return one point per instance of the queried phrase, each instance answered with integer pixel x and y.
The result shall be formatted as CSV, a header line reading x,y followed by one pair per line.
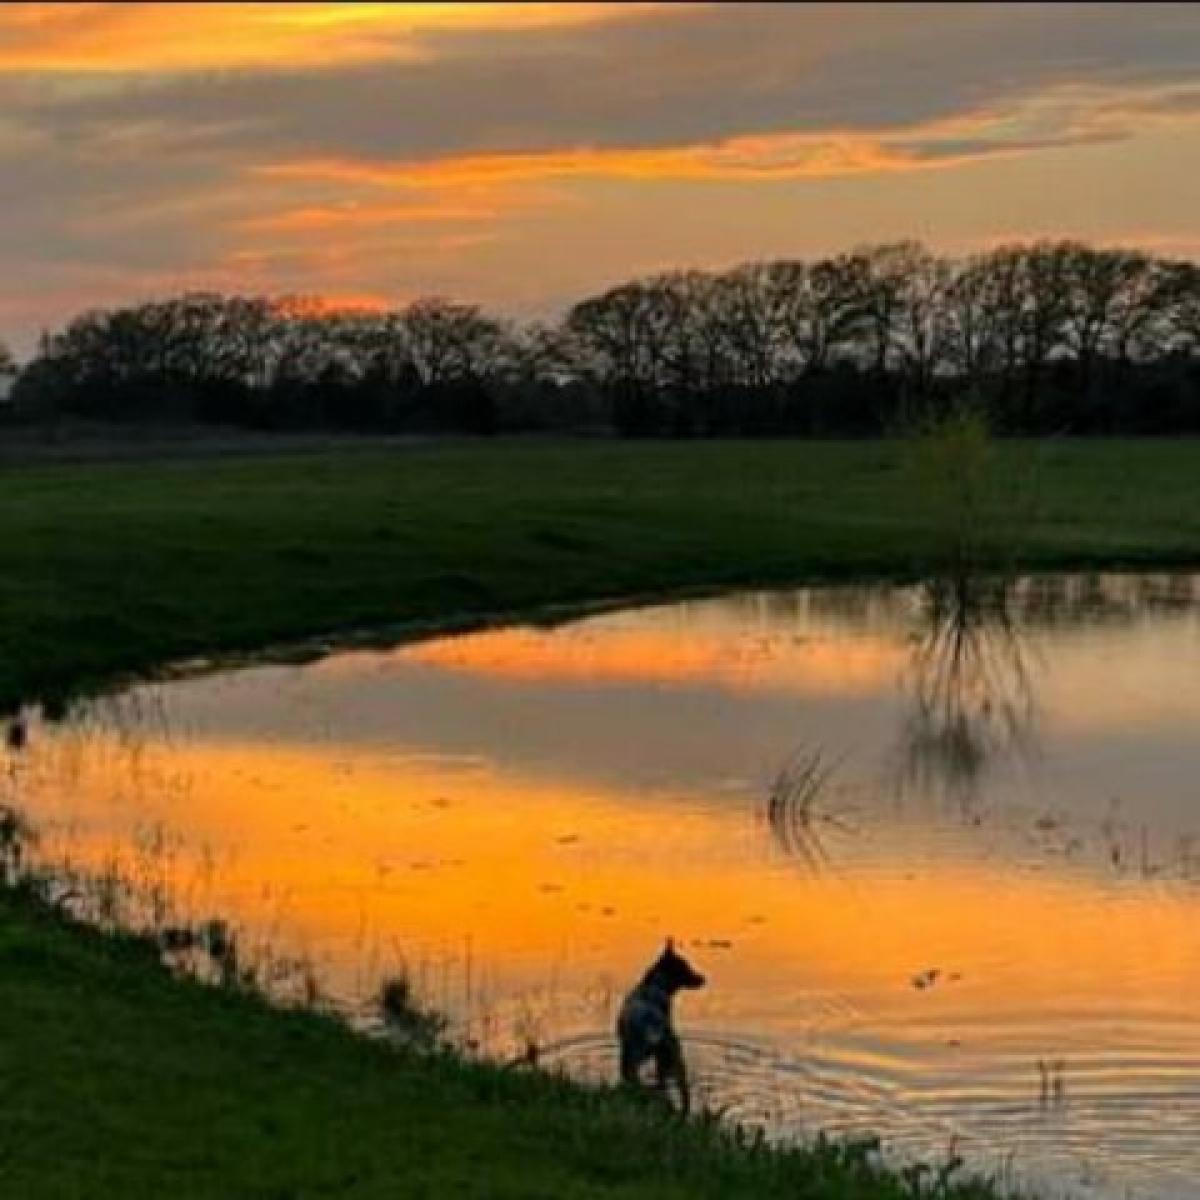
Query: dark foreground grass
x,y
121,1082
116,568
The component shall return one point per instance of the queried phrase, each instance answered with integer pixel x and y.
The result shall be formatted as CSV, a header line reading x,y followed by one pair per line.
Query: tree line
x,y
1049,336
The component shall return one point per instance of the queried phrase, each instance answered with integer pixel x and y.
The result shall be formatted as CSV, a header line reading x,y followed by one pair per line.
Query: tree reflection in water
x,y
971,686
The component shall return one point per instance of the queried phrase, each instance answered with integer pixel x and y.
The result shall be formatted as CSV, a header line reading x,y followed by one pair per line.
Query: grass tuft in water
x,y
404,1016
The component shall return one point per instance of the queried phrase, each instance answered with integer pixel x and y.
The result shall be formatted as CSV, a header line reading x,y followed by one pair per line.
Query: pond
x,y
937,849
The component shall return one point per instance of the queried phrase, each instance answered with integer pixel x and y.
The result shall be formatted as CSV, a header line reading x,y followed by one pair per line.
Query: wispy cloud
x,y
350,214
156,38
1059,117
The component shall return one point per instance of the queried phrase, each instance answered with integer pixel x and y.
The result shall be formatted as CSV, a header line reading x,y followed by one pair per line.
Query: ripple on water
x,y
1104,1130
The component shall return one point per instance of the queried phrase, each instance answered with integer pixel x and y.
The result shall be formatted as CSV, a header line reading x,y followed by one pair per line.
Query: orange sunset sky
x,y
521,155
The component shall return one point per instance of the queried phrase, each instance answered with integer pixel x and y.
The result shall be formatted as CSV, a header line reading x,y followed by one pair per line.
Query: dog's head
x,y
673,972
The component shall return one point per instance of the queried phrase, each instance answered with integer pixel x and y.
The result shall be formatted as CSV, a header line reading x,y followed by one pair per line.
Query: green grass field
x,y
108,569
116,1081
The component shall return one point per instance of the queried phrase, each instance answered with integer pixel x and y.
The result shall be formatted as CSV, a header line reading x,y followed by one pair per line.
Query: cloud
x,y
163,38
330,303
1061,117
596,75
354,215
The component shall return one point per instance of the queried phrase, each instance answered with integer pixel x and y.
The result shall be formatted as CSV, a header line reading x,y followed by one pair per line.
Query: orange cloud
x,y
185,37
760,157
350,215
1056,117
330,304
766,157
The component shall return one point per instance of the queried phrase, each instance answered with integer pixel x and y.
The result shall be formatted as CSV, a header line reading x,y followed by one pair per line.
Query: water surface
x,y
981,935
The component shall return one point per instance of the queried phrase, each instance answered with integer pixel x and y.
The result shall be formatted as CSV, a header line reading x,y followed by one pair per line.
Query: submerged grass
x,y
792,807
406,1017
115,568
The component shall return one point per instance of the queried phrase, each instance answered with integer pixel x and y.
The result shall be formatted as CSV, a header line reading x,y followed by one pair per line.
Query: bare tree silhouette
x,y
1052,335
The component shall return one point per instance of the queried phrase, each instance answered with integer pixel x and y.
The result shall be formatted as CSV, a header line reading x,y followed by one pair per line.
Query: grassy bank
x,y
113,568
121,1082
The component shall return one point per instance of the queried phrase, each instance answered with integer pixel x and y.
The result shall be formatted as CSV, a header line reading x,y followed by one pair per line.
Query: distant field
x,y
109,568
102,442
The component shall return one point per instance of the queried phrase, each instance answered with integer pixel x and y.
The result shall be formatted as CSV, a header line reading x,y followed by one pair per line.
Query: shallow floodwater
x,y
978,934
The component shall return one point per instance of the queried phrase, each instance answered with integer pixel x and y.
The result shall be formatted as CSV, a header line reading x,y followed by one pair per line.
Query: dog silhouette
x,y
645,1029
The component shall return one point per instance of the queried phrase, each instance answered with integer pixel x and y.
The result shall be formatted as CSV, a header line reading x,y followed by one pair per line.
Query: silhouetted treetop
x,y
1053,334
